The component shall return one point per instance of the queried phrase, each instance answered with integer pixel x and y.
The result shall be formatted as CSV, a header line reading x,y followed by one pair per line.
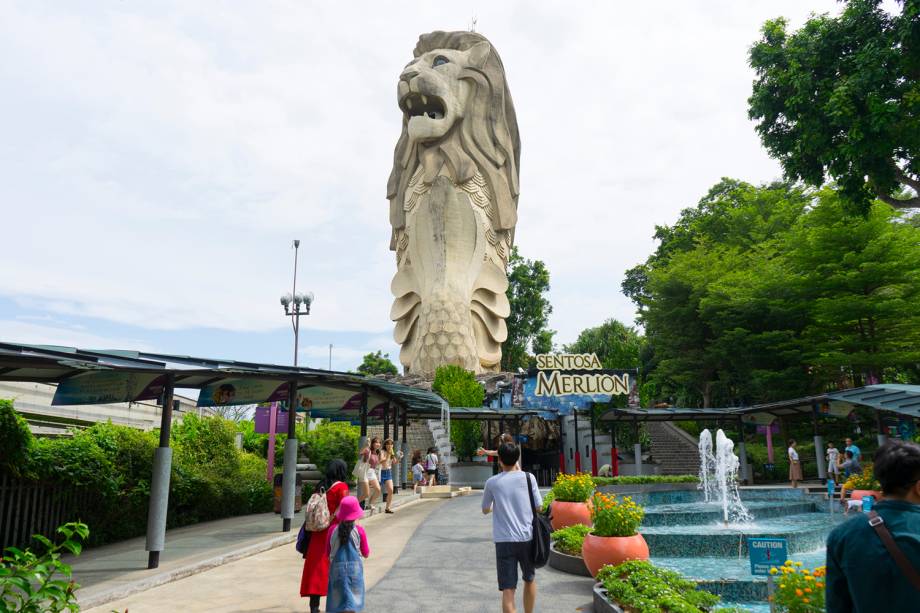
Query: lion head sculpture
x,y
453,195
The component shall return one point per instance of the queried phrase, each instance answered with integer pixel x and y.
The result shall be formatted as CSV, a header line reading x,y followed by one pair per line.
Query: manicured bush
x,y
332,440
862,481
641,587
573,488
460,388
569,540
641,480
15,439
547,501
614,516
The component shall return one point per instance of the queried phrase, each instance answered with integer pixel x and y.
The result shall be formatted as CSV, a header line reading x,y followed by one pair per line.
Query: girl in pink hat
x,y
347,544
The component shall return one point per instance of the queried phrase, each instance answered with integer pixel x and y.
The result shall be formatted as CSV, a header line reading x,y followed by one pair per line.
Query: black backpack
x,y
539,540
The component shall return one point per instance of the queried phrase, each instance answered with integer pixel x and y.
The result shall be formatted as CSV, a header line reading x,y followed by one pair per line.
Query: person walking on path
x,y
370,485
431,465
795,467
387,457
505,496
315,575
418,470
862,574
346,545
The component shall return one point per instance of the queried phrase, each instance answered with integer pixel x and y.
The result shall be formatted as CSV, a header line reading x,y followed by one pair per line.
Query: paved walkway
x,y
118,570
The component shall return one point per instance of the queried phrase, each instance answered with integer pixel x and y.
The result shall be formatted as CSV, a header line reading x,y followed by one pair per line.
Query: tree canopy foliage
x,y
528,283
762,293
841,97
377,364
615,344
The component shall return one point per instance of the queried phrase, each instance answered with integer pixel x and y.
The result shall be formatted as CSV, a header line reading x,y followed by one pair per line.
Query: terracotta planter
x,y
600,550
858,494
570,513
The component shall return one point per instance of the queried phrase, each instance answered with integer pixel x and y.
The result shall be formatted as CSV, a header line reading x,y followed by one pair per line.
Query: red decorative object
x,y
600,550
570,513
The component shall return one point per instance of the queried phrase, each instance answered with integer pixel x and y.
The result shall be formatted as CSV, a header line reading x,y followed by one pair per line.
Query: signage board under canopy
x,y
99,387
562,383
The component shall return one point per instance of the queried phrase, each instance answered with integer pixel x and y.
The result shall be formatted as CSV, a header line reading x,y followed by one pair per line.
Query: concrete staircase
x,y
676,452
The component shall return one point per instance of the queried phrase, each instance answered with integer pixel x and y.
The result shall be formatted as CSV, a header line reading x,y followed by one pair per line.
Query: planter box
x,y
470,474
601,604
574,565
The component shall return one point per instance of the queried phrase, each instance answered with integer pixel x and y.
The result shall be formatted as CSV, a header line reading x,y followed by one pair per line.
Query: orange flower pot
x,y
858,494
600,550
570,513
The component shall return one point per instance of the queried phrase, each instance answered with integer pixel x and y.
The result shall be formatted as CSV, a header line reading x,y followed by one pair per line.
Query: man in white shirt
x,y
506,495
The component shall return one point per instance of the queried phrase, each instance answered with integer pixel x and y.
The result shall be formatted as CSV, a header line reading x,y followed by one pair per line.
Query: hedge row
x,y
640,480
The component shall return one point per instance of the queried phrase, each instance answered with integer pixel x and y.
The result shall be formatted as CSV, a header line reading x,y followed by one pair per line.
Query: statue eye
x,y
439,60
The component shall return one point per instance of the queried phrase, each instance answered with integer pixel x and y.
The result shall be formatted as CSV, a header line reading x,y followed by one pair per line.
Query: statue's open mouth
x,y
420,105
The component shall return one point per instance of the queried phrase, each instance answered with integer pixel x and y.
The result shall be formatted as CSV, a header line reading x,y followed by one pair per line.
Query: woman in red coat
x,y
315,576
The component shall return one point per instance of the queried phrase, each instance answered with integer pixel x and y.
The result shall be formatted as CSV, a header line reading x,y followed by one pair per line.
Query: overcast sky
x,y
157,158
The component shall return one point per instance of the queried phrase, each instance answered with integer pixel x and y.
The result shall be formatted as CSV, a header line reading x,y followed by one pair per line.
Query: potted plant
x,y
863,484
615,538
570,506
565,550
640,586
799,590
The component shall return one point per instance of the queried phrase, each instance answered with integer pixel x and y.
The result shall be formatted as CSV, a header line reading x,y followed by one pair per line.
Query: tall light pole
x,y
293,302
294,305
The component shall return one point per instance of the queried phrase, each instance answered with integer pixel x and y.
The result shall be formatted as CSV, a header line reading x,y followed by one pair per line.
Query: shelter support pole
x,y
637,448
489,458
404,463
593,446
742,454
614,454
159,483
770,443
362,442
386,421
577,445
819,443
561,446
289,474
882,437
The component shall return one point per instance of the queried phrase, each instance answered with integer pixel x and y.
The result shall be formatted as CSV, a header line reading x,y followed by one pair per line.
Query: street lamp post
x,y
294,305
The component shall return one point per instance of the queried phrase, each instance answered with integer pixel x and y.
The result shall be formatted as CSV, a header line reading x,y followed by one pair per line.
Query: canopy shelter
x,y
86,376
900,399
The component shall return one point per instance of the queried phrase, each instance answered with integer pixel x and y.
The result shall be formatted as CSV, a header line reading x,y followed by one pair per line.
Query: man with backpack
x,y
508,497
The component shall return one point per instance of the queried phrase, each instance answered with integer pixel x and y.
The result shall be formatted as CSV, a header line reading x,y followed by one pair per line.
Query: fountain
x,y
719,477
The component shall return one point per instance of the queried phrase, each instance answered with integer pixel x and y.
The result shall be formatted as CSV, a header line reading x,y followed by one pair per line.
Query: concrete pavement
x,y
270,581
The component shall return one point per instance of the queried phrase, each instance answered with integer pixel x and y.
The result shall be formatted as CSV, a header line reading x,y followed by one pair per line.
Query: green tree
x,y
15,439
841,97
528,284
377,364
460,388
616,345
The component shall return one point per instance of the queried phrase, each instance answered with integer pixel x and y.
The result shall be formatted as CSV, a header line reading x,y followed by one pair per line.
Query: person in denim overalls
x,y
347,544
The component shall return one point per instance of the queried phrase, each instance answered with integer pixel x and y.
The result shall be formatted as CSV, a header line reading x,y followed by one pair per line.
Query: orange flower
x,y
798,592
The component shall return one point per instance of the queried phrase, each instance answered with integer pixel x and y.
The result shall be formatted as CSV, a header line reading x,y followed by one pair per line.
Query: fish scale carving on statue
x,y
453,204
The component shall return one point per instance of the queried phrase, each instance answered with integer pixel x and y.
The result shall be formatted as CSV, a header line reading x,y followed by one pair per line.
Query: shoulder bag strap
x,y
876,521
533,504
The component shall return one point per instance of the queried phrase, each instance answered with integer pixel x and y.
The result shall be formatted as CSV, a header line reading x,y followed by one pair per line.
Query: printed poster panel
x,y
229,392
105,386
557,392
338,404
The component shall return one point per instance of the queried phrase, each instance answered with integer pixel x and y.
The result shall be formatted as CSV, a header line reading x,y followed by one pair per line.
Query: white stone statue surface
x,y
453,198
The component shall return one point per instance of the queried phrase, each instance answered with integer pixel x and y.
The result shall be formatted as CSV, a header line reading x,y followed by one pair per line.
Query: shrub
x,y
638,480
615,517
862,481
569,540
799,590
207,442
15,439
466,436
331,440
27,579
458,386
639,586
573,488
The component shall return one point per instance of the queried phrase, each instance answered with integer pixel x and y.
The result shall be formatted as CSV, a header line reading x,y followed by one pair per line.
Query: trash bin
x,y
298,502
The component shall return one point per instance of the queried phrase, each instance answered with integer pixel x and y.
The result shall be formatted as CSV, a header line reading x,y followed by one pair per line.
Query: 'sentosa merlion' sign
x,y
453,196
561,381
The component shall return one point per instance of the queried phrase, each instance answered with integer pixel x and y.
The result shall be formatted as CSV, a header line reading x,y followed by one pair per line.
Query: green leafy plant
x,y
641,587
614,516
332,440
547,501
37,583
15,439
458,386
862,481
466,436
569,540
573,488
640,480
799,590
377,364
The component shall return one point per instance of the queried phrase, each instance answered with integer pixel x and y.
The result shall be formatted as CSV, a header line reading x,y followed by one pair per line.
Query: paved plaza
x,y
433,555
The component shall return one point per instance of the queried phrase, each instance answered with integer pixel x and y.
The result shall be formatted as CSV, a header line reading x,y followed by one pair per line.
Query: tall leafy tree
x,y
841,97
616,345
377,364
528,284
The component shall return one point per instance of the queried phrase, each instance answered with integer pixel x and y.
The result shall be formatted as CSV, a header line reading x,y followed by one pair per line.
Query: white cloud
x,y
157,162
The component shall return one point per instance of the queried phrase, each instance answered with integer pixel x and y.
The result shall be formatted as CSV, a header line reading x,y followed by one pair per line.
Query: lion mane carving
x,y
453,198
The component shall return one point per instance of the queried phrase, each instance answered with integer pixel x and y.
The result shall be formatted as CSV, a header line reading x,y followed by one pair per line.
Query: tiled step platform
x,y
444,491
696,513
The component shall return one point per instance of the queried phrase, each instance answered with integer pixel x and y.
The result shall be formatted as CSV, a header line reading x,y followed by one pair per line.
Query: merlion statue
x,y
453,204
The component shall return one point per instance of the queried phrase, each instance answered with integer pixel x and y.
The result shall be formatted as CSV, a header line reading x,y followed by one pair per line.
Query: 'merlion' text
x,y
559,383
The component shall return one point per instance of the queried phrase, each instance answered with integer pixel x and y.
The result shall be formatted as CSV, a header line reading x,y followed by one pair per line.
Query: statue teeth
x,y
408,103
424,99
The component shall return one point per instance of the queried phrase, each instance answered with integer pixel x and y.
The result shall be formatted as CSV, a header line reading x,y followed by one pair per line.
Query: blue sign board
x,y
766,553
